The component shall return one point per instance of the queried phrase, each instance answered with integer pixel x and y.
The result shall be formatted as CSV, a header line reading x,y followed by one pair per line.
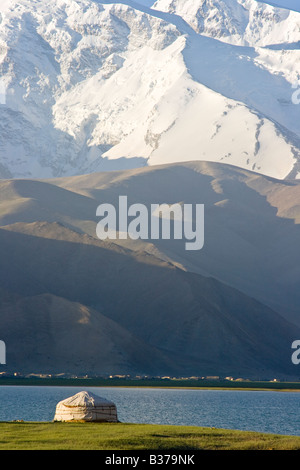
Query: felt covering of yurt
x,y
86,406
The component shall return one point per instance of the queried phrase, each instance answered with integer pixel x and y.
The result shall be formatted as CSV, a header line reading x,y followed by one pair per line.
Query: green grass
x,y
122,436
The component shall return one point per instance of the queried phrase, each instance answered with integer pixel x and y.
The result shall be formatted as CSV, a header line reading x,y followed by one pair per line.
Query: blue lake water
x,y
263,411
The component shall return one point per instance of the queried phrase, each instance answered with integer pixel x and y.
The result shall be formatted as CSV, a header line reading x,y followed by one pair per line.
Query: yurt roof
x,y
85,400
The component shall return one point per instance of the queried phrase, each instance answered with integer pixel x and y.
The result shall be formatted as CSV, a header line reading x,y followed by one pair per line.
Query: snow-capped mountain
x,y
241,22
94,86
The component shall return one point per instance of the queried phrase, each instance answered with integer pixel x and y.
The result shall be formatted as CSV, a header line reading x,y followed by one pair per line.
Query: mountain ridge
x,y
252,221
195,314
177,95
207,338
186,102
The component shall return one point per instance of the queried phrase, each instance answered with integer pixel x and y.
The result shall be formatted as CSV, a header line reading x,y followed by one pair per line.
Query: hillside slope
x,y
252,230
85,308
231,308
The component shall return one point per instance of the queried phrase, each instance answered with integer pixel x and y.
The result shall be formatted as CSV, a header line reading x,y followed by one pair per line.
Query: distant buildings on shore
x,y
62,375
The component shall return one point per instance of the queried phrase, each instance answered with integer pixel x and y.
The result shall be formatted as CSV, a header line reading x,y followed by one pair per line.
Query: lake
x,y
263,411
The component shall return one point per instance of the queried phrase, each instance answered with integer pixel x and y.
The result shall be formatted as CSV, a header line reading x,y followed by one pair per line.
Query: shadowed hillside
x,y
89,307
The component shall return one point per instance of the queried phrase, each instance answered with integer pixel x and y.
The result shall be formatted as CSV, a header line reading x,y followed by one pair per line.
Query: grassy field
x,y
120,436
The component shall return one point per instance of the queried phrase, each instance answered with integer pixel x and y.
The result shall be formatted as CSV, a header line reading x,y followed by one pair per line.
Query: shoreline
x,y
225,385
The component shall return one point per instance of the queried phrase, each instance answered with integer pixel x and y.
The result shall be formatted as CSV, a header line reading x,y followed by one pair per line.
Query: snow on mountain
x,y
94,86
242,22
287,4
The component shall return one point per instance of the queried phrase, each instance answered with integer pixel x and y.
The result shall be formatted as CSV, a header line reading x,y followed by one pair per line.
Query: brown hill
x,y
252,222
94,300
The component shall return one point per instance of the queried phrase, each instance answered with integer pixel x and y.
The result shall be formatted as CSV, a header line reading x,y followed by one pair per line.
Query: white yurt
x,y
85,406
